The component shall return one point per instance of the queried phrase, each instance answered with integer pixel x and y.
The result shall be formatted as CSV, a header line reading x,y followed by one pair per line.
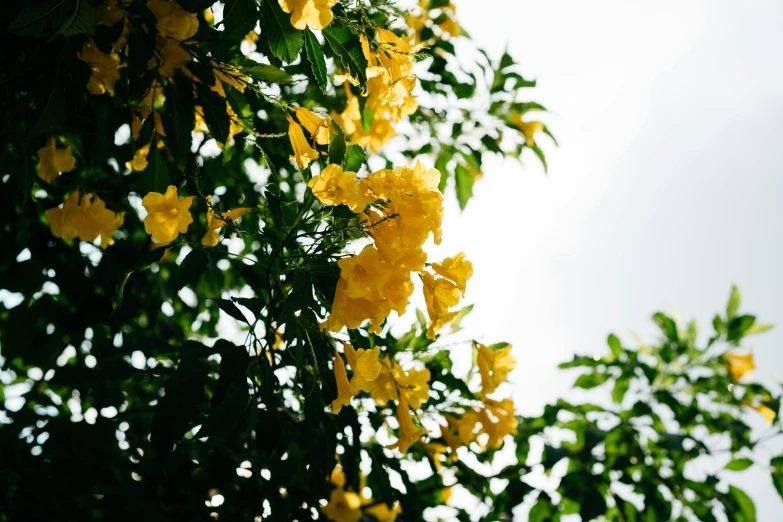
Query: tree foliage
x,y
209,214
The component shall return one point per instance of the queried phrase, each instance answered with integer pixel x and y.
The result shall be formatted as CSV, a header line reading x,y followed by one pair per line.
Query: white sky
x,y
663,193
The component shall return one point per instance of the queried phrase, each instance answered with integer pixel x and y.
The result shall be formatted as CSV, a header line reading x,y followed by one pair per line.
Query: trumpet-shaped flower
x,y
172,20
303,152
457,269
498,420
52,161
365,366
343,506
214,223
337,187
494,367
413,386
105,68
344,393
527,128
84,219
315,14
439,296
167,215
317,126
409,432
739,365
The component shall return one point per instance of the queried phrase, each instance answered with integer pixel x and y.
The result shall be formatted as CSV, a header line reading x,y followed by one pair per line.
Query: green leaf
x,y
284,41
65,17
464,183
739,464
337,146
620,389
739,326
777,474
215,114
179,120
746,510
368,116
315,56
734,302
590,380
192,268
239,18
231,309
758,328
156,177
354,157
347,46
615,345
265,73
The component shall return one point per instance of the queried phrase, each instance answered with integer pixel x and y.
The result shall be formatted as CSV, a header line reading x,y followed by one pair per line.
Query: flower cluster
x,y
347,506
52,161
86,219
378,279
390,82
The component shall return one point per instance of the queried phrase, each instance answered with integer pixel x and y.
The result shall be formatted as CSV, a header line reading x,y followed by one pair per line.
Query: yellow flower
x,y
52,161
172,20
317,127
365,366
739,365
344,393
337,187
167,216
338,476
365,274
456,268
104,221
498,420
768,413
465,426
303,152
63,221
382,512
409,432
528,128
84,219
383,388
494,367
105,68
172,58
439,295
139,161
343,506
315,14
214,223
445,495
108,14
413,386
434,450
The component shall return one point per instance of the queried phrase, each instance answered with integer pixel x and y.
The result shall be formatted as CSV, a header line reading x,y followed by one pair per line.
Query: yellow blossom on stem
x,y
365,366
439,296
344,393
108,14
139,161
365,274
303,152
464,426
105,68
172,58
739,365
333,186
167,215
434,450
413,386
457,269
317,126
498,420
768,413
214,223
527,128
84,219
52,161
383,387
172,20
315,14
343,506
409,432
494,367
382,512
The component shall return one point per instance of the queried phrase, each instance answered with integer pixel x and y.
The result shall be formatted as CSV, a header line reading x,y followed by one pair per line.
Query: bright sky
x,y
664,192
